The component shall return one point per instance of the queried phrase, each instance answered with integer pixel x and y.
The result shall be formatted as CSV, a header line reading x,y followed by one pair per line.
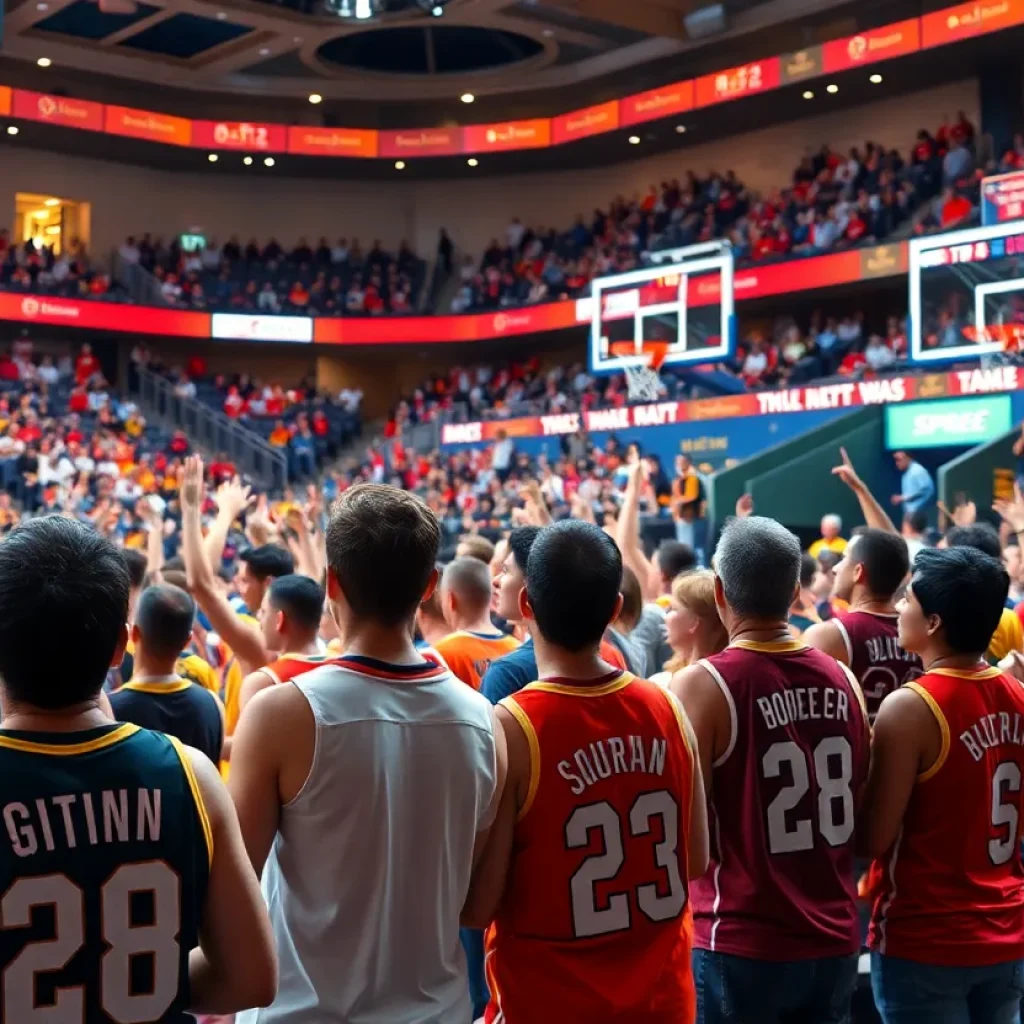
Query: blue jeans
x,y
907,992
737,990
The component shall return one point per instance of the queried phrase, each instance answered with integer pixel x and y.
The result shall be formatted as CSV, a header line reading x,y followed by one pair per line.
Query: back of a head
x,y
808,569
966,588
885,559
632,598
674,558
916,521
475,546
382,544
696,592
59,578
980,536
177,578
136,563
573,577
164,619
431,608
301,599
469,580
520,542
268,561
758,561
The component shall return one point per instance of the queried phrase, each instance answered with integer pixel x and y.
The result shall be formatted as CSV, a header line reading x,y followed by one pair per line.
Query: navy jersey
x,y
179,708
104,863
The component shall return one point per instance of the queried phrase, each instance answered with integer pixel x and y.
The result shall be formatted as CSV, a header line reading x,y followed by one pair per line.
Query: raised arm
x,y
627,534
232,499
874,514
243,639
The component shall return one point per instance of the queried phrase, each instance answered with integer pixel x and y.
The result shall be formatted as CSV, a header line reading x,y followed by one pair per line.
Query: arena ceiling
x,y
518,58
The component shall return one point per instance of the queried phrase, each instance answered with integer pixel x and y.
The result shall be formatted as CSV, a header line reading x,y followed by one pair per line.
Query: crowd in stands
x,y
30,266
833,201
326,280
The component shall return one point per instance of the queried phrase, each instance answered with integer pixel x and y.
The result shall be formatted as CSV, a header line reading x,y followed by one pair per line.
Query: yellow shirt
x,y
231,689
1009,636
836,544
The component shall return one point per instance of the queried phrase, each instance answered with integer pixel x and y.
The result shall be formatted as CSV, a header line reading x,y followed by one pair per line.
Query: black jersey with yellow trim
x,y
105,865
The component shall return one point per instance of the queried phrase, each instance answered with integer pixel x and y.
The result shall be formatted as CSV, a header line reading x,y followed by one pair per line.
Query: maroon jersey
x,y
875,656
780,884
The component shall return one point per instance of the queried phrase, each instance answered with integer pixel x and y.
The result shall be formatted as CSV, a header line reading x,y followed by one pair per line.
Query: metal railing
x,y
139,284
211,430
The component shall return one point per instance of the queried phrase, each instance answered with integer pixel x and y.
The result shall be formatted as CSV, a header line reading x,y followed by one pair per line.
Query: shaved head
x,y
469,581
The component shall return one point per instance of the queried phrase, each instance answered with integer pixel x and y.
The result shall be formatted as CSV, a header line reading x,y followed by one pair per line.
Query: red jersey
x,y
593,924
780,884
288,666
875,656
952,888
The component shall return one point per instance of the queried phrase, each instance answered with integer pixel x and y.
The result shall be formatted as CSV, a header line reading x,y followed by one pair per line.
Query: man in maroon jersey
x,y
783,739
868,577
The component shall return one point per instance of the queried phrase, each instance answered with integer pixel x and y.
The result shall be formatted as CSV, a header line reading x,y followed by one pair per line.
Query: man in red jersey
x,y
870,574
942,811
783,740
602,821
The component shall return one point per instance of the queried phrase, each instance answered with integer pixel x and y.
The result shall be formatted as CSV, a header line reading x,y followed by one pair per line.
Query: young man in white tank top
x,y
364,789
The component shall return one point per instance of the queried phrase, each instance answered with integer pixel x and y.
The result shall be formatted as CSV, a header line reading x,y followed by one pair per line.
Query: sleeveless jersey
x,y
593,925
288,666
875,656
469,655
104,866
952,890
780,885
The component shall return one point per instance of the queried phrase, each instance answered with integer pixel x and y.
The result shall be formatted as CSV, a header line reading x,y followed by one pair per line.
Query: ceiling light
x,y
264,51
808,94
472,161
42,6
437,10
548,33
875,79
467,97
51,202
53,229
634,140
213,158
680,129
247,161
268,162
12,129
221,16
315,98
833,88
399,165
44,62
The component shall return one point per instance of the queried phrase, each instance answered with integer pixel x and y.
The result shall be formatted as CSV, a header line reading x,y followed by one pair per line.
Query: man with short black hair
x,y
121,818
157,697
290,619
473,643
783,739
869,576
257,568
941,812
557,949
429,766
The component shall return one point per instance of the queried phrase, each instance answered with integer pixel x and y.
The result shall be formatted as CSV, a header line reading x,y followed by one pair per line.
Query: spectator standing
x,y
917,489
445,251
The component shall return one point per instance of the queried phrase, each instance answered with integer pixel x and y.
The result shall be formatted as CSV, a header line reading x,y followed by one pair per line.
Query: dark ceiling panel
x,y
559,18
83,19
284,65
185,35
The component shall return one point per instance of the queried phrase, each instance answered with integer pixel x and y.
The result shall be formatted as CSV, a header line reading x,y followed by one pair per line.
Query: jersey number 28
x,y
588,919
123,940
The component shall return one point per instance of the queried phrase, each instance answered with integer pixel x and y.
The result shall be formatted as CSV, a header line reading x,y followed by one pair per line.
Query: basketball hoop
x,y
643,382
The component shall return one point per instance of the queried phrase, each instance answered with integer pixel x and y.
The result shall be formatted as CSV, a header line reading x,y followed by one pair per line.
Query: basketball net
x,y
643,382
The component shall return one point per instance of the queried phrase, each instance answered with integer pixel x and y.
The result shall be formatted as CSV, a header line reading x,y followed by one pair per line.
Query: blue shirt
x,y
917,487
510,674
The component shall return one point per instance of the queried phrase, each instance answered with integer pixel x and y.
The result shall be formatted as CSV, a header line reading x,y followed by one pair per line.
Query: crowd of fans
x,y
31,266
833,201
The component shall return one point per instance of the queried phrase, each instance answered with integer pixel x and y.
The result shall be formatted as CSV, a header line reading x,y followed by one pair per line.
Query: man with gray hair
x,y
830,540
783,740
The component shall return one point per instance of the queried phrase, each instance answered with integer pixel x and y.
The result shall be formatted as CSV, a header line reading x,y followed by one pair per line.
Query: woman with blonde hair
x,y
694,629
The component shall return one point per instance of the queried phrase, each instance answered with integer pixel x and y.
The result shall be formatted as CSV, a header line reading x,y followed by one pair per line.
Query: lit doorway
x,y
62,225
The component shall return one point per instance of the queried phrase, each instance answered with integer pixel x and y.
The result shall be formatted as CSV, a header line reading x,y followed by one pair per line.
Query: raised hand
x,y
847,473
744,506
233,497
1012,511
192,482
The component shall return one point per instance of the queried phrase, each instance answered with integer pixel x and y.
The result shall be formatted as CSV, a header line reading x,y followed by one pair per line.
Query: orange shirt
x,y
469,655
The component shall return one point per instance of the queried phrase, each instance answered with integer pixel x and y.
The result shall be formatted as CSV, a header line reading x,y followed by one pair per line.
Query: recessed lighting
x,y
12,129
399,165
808,94
51,202
634,140
315,98
833,88
680,129
221,16
42,7
44,62
268,162
437,10
296,39
213,158
467,97
264,51
247,161
548,33
875,79
472,161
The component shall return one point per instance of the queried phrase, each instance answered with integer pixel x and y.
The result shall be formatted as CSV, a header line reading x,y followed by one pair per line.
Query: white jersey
x,y
371,864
